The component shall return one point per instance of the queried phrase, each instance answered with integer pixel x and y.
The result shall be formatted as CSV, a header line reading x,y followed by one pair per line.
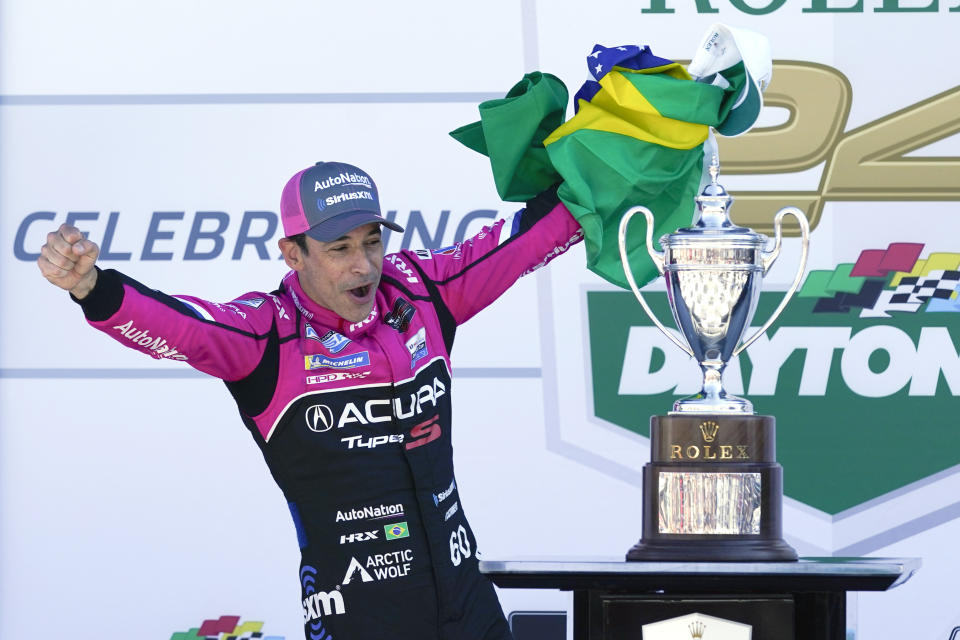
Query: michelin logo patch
x,y
417,346
351,361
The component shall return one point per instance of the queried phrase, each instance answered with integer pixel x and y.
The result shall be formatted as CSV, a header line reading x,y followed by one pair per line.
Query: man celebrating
x,y
342,376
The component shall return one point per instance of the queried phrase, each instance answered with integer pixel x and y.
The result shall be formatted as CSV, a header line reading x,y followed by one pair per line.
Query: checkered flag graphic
x,y
936,284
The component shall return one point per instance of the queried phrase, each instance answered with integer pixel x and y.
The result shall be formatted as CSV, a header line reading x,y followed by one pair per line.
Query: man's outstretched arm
x,y
472,274
223,340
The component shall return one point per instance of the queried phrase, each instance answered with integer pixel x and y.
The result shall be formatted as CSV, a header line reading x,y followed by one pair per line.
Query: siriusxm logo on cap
x,y
342,197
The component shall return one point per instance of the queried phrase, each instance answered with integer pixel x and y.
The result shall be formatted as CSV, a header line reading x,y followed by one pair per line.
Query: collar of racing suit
x,y
314,313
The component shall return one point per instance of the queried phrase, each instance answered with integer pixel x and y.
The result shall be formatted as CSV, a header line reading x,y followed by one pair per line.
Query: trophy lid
x,y
711,220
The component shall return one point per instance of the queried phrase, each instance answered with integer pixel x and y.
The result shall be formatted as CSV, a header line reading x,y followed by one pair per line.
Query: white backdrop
x,y
132,503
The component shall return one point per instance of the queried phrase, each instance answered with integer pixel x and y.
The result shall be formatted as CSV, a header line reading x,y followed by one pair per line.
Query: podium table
x,y
612,599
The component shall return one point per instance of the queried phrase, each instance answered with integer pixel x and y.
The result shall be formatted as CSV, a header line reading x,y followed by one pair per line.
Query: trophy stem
x,y
712,376
712,397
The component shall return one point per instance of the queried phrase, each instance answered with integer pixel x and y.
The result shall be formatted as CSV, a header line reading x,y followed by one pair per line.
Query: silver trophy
x,y
714,271
713,490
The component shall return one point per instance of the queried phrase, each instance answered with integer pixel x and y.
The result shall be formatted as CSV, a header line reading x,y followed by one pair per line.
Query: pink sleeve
x,y
473,273
223,340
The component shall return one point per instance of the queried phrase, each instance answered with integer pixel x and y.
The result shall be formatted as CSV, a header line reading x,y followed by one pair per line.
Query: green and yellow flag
x,y
637,138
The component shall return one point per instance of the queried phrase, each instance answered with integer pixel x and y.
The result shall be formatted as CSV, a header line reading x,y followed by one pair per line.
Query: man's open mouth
x,y
360,292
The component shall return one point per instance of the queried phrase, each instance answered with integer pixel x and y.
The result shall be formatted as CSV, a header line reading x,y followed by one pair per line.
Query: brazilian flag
x,y
396,531
637,138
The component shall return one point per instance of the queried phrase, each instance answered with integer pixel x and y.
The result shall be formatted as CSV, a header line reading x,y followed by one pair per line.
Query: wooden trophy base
x,y
712,491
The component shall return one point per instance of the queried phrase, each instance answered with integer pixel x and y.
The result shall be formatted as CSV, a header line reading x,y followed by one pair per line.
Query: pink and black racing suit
x,y
354,420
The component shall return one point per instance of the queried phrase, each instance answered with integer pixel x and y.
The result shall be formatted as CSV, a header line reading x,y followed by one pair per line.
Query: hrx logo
x,y
361,536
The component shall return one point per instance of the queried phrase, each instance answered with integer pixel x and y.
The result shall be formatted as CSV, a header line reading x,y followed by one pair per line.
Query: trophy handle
x,y
657,258
768,258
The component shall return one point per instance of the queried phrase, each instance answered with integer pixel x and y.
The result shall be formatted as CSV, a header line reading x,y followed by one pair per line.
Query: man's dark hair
x,y
301,240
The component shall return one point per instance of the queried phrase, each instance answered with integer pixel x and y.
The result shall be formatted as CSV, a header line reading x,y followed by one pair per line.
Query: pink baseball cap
x,y
328,200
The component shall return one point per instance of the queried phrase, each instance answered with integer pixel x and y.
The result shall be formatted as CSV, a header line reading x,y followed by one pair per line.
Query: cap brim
x,y
745,112
341,225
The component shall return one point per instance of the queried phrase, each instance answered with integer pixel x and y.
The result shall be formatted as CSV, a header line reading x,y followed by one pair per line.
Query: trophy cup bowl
x,y
713,489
